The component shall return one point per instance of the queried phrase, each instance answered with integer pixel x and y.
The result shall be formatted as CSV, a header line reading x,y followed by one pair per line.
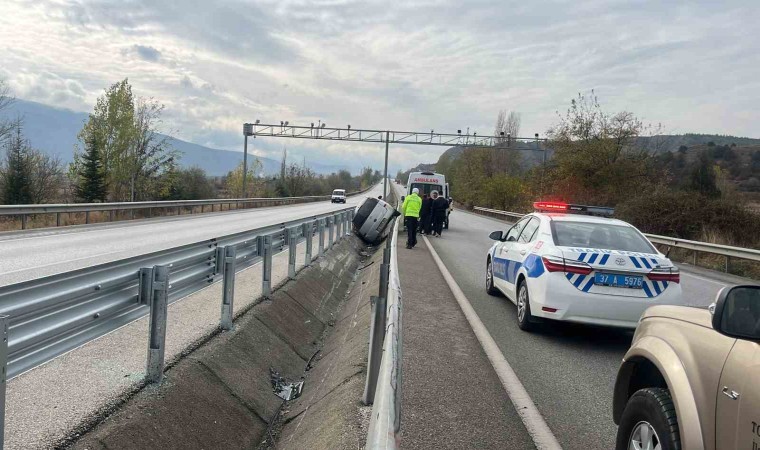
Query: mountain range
x,y
54,131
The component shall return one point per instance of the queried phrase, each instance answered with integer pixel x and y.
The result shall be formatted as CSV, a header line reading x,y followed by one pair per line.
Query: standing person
x,y
425,212
411,211
402,202
439,208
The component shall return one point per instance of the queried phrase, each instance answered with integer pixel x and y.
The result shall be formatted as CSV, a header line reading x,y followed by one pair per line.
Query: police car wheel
x,y
490,288
524,317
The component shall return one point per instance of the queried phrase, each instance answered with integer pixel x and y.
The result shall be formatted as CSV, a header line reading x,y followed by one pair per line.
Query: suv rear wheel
x,y
649,421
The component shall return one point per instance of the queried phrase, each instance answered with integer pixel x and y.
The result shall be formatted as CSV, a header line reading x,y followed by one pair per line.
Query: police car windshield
x,y
426,188
599,235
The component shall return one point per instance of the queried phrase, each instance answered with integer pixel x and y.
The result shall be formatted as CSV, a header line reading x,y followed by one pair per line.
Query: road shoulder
x,y
451,396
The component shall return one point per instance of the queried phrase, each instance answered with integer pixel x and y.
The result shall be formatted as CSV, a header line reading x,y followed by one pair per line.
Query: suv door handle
x,y
733,395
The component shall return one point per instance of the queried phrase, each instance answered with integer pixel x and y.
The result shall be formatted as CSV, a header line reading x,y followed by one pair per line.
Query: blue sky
x,y
414,65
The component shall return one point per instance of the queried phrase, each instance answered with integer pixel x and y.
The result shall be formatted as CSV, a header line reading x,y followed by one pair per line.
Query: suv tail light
x,y
665,274
556,264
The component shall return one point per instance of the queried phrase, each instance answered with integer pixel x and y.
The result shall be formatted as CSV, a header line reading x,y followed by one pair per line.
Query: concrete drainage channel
x,y
314,328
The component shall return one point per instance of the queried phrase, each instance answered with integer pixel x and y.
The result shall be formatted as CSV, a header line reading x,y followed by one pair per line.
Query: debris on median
x,y
284,389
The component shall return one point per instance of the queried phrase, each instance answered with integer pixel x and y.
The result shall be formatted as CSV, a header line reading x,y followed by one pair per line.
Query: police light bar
x,y
560,207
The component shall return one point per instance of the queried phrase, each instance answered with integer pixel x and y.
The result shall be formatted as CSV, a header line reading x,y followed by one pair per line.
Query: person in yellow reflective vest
x,y
410,209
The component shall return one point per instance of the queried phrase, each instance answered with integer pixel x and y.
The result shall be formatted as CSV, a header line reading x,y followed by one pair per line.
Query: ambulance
x,y
428,182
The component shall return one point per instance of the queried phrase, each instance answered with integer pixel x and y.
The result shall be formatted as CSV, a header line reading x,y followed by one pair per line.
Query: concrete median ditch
x,y
220,395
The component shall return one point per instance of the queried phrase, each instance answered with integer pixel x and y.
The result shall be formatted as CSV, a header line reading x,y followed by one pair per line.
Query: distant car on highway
x,y
690,379
338,196
575,263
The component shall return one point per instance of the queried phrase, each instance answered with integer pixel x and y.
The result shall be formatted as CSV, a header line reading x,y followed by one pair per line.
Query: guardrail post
x,y
228,288
23,221
349,221
58,219
321,229
157,330
3,374
110,215
145,295
694,258
376,337
308,234
266,273
728,264
292,248
87,217
338,227
330,231
384,272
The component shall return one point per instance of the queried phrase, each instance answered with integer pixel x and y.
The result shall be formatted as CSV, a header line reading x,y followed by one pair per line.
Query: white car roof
x,y
581,218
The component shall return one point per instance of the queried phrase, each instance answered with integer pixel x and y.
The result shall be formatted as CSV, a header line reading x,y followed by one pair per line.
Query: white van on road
x,y
338,196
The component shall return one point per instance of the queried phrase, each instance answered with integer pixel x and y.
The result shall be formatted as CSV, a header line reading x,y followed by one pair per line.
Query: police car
x,y
576,263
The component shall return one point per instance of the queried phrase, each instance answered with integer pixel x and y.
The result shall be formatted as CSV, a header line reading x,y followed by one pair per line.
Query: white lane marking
x,y
534,422
687,274
67,261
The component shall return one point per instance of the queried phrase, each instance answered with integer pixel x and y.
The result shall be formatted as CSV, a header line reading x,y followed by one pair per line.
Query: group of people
x,y
424,215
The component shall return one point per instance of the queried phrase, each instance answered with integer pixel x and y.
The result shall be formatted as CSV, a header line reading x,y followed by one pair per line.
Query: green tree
x,y
597,157
187,184
703,178
17,176
132,152
233,182
756,160
91,182
113,124
5,101
366,177
150,154
504,192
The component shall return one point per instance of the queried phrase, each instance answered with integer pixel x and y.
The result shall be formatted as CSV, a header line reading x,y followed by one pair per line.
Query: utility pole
x,y
247,131
385,179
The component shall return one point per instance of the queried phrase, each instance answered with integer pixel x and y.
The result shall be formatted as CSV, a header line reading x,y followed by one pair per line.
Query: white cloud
x,y
417,64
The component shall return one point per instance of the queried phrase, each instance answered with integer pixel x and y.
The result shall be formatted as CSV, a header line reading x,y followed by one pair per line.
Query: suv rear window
x,y
599,235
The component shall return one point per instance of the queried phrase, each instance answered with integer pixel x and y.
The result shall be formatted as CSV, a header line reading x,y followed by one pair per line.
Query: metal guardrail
x,y
695,246
383,384
50,316
69,208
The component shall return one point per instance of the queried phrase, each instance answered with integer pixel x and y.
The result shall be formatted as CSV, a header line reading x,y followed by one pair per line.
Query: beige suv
x,y
691,379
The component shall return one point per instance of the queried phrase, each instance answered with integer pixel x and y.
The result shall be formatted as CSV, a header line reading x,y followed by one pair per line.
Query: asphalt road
x,y
38,253
568,370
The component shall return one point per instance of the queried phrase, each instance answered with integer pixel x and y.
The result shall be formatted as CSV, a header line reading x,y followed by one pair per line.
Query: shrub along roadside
x,y
690,215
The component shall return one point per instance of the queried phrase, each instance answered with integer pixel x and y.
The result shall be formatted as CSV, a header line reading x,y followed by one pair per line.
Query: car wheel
x,y
490,288
649,421
524,317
